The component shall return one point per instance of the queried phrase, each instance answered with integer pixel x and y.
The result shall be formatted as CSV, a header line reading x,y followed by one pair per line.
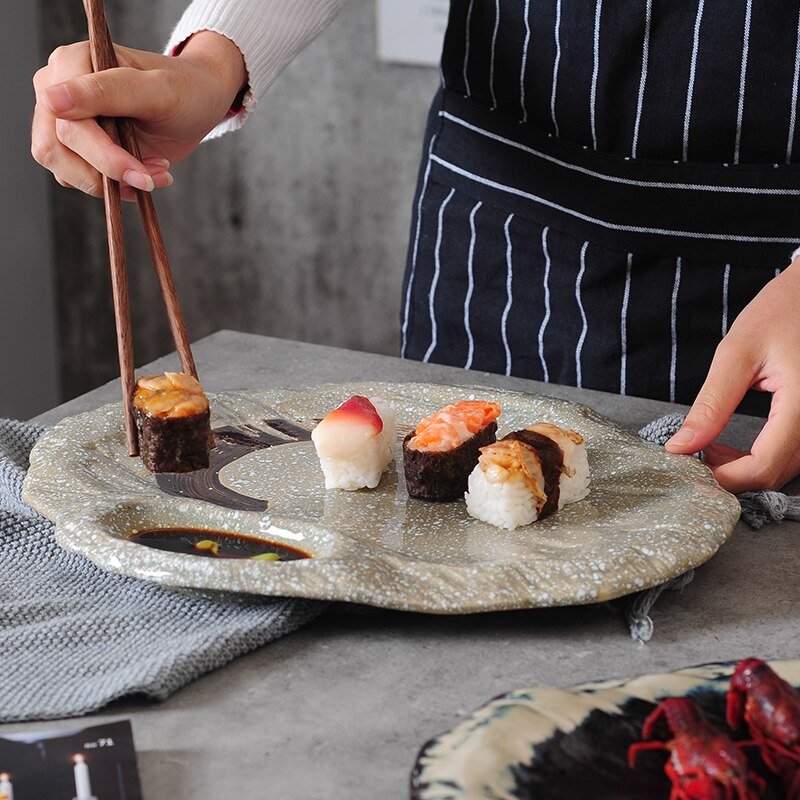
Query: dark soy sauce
x,y
216,544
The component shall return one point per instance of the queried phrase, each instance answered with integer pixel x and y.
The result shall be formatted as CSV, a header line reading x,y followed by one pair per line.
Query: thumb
x,y
118,92
729,377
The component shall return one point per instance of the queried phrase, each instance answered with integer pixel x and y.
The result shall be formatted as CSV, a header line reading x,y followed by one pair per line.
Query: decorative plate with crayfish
x,y
560,744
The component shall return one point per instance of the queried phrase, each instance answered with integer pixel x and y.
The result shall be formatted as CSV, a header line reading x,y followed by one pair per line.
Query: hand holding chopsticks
x,y
121,131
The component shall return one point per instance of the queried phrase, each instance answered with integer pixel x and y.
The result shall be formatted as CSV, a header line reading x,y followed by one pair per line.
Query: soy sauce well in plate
x,y
217,544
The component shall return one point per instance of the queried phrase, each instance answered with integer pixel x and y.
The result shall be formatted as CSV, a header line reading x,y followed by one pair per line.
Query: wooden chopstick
x,y
95,15
121,132
158,252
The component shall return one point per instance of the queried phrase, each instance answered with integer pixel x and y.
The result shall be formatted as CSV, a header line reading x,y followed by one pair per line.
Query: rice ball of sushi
x,y
527,476
355,443
440,453
507,487
172,418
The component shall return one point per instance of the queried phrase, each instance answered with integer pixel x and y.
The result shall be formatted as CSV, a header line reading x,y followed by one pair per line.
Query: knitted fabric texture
x,y
73,637
757,509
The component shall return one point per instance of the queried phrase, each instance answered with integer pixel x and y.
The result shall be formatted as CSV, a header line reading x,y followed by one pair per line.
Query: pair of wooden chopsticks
x,y
121,131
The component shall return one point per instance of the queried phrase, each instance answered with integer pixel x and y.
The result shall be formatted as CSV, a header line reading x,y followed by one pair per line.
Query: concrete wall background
x,y
29,382
296,226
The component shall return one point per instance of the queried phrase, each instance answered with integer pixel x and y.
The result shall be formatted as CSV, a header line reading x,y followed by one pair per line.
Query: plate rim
x,y
284,395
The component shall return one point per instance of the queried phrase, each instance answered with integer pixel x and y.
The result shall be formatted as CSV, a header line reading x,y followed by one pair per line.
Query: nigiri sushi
x,y
355,443
172,422
527,476
440,453
574,478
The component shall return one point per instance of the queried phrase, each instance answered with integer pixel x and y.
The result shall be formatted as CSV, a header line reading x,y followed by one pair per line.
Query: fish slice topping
x,y
357,409
453,425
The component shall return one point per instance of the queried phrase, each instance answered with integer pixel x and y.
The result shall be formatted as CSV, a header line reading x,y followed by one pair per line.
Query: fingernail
x,y
139,180
682,438
153,160
59,98
162,179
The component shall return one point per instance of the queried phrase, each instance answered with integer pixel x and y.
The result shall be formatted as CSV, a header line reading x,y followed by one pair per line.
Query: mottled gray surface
x,y
338,710
307,208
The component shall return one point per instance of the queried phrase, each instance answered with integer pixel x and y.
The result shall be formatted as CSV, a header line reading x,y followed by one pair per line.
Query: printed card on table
x,y
88,763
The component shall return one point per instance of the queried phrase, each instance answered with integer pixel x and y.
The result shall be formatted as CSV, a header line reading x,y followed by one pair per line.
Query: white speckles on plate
x,y
649,517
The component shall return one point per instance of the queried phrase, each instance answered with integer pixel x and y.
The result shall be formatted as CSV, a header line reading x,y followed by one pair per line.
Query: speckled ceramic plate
x,y
650,516
559,744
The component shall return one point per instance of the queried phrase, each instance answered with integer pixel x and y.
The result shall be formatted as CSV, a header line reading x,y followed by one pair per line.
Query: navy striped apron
x,y
603,188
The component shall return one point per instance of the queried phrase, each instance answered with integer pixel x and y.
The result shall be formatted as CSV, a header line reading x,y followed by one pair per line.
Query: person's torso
x,y
673,80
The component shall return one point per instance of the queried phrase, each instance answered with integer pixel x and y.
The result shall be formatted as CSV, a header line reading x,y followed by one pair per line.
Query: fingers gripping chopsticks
x,y
121,131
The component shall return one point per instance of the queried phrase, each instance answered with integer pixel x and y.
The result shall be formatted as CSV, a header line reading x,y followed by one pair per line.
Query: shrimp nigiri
x,y
441,451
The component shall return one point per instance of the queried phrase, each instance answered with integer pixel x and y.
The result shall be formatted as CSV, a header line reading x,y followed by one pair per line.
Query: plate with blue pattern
x,y
559,744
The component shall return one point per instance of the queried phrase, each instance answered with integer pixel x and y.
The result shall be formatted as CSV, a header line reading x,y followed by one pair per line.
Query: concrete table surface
x,y
339,709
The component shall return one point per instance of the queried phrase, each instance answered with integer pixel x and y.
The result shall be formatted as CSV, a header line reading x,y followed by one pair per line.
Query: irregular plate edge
x,y
276,397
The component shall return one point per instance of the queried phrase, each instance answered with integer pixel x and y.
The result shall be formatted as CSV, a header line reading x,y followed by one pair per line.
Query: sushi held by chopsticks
x,y
439,454
355,443
172,422
528,475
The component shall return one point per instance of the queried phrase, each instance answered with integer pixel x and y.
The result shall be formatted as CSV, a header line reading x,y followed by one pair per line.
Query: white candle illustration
x,y
83,786
6,789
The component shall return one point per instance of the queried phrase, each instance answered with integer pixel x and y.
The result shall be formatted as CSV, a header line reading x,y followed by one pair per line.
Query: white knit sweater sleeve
x,y
269,34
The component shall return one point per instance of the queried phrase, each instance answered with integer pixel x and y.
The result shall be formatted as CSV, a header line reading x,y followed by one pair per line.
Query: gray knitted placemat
x,y
758,508
73,637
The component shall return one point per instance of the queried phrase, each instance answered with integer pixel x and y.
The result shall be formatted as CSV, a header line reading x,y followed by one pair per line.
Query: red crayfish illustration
x,y
704,762
771,708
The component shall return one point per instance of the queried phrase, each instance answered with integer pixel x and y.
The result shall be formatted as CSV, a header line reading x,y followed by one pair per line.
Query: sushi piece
x,y
507,488
564,449
172,422
355,443
440,453
527,476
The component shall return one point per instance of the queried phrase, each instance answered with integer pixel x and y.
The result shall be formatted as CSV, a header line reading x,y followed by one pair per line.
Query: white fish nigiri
x,y
355,443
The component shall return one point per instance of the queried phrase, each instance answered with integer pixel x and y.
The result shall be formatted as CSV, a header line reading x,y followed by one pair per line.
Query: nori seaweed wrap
x,y
440,453
551,459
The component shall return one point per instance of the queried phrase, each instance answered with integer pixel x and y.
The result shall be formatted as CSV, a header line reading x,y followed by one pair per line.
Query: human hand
x,y
761,351
173,102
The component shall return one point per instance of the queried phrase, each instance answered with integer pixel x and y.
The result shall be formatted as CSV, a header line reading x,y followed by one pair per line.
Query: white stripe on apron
x,y
555,67
546,319
692,71
415,252
585,329
743,75
471,286
623,359
674,331
436,273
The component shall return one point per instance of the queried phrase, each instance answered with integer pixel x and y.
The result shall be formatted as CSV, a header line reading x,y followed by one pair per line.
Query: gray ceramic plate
x,y
649,517
542,743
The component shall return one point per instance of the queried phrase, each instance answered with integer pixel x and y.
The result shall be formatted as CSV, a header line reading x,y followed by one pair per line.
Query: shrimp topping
x,y
453,425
